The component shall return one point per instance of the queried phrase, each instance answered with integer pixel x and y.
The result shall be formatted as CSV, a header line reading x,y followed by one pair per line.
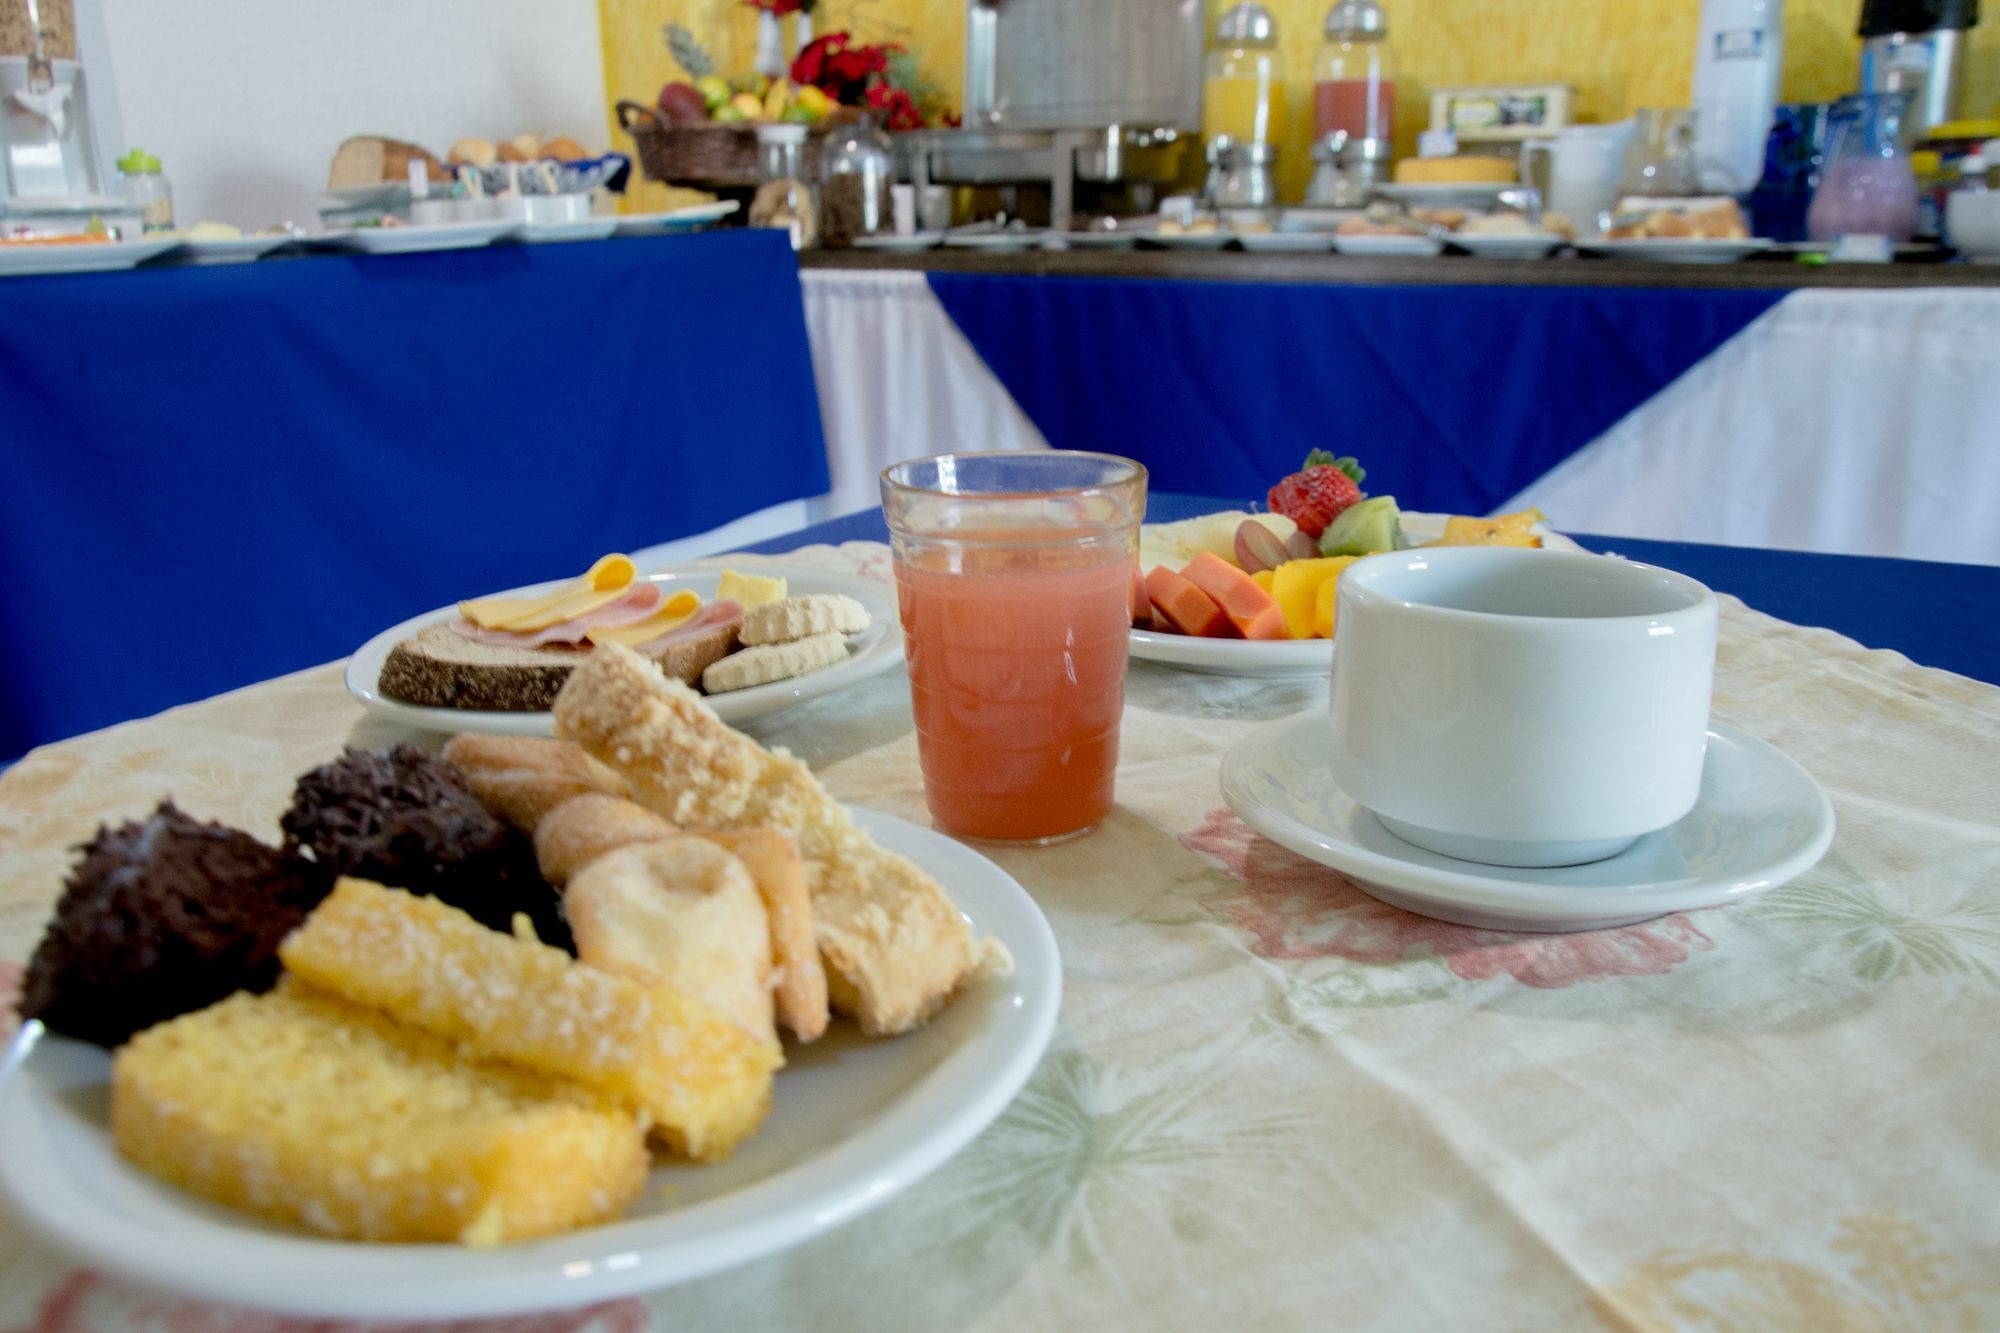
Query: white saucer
x,y
901,245
1668,250
1760,820
678,219
1287,242
1508,245
1387,245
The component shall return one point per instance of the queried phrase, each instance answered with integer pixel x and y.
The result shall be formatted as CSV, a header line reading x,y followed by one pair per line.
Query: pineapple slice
x,y
1503,530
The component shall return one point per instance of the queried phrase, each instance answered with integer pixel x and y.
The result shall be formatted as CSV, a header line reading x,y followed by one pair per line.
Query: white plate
x,y
87,257
1509,245
1282,657
1760,820
901,245
1387,245
1287,242
410,240
1100,240
1189,240
1001,242
853,1122
227,250
874,650
585,229
1669,251
1447,194
678,219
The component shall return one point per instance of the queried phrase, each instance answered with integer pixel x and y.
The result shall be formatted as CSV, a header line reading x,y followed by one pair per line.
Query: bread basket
x,y
704,154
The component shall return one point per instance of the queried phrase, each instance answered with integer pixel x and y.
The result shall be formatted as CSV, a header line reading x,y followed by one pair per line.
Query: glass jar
x,y
1660,160
1868,187
855,172
143,186
1243,90
784,199
1354,77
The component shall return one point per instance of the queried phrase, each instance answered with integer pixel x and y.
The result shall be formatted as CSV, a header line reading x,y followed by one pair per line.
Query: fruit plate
x,y
874,650
1283,657
854,1121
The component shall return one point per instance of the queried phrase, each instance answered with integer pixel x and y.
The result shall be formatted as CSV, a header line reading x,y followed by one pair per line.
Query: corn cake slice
x,y
700,1081
302,1108
895,947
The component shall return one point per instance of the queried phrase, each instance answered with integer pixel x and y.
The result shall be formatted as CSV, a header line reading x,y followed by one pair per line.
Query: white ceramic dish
x,y
86,257
1284,657
678,219
901,245
412,240
1760,821
1387,245
1287,242
874,650
380,194
1669,251
1447,194
1189,240
999,242
1099,240
226,250
1516,245
587,229
853,1122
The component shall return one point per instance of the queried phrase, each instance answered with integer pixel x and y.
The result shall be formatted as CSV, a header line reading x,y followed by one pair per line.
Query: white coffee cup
x,y
1520,707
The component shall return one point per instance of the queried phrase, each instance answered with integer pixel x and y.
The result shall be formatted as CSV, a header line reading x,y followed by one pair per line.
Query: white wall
x,y
244,101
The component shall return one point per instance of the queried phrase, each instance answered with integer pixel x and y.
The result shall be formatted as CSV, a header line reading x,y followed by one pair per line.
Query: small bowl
x,y
1972,221
545,210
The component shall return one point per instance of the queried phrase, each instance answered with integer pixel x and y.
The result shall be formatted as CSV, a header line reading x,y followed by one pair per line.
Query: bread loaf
x,y
369,159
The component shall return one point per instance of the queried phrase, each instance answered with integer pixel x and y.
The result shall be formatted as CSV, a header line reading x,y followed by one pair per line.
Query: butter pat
x,y
748,590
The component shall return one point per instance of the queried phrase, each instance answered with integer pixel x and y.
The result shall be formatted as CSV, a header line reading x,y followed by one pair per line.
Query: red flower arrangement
x,y
876,77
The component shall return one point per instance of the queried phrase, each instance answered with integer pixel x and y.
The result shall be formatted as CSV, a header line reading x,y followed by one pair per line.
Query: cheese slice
x,y
748,590
673,613
605,582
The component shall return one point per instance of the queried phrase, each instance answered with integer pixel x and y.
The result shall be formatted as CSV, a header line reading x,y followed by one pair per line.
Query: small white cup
x,y
549,210
903,207
1521,707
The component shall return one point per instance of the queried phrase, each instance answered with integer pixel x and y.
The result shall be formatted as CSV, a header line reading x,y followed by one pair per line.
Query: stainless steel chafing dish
x,y
1061,91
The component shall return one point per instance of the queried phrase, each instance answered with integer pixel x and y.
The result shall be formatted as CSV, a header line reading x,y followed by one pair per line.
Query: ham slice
x,y
641,601
715,617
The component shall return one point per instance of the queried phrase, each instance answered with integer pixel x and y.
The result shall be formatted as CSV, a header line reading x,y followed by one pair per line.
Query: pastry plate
x,y
21,260
1508,245
1282,657
854,1121
1760,820
1387,245
1666,250
874,650
678,219
410,240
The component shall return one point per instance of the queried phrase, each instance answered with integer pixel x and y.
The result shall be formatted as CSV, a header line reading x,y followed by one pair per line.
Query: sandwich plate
x,y
1282,657
874,650
854,1121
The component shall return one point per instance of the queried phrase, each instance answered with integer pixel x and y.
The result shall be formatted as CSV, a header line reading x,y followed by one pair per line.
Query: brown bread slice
x,y
441,668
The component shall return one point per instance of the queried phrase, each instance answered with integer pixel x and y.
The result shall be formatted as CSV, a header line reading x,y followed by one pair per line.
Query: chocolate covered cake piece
x,y
160,917
411,821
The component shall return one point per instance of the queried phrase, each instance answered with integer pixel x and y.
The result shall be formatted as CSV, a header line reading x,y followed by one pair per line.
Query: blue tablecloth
x,y
210,476
1455,398
1938,615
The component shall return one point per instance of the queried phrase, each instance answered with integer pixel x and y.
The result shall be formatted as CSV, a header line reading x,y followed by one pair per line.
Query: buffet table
x,y
1846,409
214,475
1274,1102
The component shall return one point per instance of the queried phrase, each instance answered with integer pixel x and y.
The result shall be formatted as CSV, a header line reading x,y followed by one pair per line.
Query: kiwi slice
x,y
1364,528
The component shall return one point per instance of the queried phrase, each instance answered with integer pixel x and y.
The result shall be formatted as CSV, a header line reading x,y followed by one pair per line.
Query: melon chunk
x,y
1184,608
1249,608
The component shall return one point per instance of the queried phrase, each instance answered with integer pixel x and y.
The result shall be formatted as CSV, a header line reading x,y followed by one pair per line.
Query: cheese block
x,y
369,159
1456,171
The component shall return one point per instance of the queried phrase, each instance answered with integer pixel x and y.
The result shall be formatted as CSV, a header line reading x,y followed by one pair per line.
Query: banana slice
x,y
774,661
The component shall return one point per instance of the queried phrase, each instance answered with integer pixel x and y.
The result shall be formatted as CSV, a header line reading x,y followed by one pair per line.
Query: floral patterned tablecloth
x,y
1273,1102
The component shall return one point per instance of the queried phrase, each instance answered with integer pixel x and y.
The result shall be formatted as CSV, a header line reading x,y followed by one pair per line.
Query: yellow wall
x,y
1619,54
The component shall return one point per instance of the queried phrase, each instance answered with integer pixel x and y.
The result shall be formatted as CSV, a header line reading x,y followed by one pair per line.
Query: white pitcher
x,y
1583,169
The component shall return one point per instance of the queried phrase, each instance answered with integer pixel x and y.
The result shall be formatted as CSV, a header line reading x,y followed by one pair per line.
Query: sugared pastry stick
x,y
586,827
684,914
522,778
894,945
702,1083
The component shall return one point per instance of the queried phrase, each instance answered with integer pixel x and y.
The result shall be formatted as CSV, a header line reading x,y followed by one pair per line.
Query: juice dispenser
x,y
1243,92
1354,101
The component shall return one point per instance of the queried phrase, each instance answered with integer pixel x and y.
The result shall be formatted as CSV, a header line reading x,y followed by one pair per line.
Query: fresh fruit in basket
x,y
715,92
683,102
1318,492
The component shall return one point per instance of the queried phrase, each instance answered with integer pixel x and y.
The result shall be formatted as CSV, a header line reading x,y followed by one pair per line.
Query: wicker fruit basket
x,y
711,156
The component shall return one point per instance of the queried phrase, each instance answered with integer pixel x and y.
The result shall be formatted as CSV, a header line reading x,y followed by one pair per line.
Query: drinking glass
x,y
1014,576
1868,187
1660,161
1794,154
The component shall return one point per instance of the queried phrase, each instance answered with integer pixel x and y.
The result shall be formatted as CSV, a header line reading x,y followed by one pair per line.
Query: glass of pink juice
x,y
1014,577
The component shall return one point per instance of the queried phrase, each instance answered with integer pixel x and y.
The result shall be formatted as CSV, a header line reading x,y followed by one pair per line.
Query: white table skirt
x,y
1856,422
